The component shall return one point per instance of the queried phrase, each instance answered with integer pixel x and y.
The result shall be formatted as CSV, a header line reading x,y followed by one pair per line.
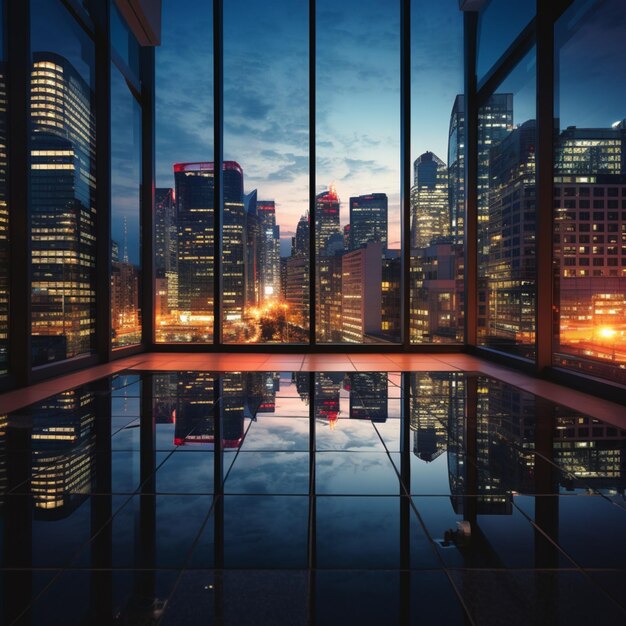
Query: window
x,y
125,214
62,185
506,185
591,329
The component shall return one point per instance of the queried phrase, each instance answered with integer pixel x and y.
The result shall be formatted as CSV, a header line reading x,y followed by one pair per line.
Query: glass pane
x,y
4,209
499,23
357,224
125,216
124,46
183,209
590,190
506,214
438,189
266,143
62,186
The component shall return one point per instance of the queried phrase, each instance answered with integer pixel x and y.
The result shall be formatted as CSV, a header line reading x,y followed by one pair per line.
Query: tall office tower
x,y
495,119
436,284
596,152
63,210
368,396
326,219
166,247
194,208
590,249
509,263
432,402
233,220
194,204
390,297
251,251
196,399
297,276
346,237
231,408
269,253
429,201
63,444
4,228
326,396
368,220
361,293
125,311
300,245
283,278
328,243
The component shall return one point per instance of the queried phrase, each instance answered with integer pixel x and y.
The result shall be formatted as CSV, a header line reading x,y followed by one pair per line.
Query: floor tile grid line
x,y
188,557
236,454
444,566
67,567
583,571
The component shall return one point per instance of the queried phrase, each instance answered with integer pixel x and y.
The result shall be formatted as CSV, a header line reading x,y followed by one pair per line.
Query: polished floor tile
x,y
344,494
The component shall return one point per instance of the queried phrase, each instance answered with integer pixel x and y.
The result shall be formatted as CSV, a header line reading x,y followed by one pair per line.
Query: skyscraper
x,y
361,308
194,208
63,210
495,120
429,201
326,219
251,252
368,220
297,276
166,246
269,253
194,203
328,244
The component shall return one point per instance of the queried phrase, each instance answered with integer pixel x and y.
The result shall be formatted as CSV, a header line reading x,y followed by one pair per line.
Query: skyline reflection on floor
x,y
232,498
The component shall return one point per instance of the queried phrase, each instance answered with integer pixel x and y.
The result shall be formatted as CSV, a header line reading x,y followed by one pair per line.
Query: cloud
x,y
359,167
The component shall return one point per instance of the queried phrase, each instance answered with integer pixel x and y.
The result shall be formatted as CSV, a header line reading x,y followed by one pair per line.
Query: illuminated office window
x,y
507,214
590,191
62,185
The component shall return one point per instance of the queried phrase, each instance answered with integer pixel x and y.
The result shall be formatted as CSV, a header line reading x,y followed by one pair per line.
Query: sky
x,y
266,91
266,96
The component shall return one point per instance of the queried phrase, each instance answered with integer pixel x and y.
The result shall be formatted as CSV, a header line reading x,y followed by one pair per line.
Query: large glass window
x,y
357,213
438,181
507,214
4,209
125,214
264,283
183,210
62,185
590,190
499,23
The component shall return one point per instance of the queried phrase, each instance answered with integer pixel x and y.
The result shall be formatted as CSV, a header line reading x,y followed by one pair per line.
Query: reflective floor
x,y
189,497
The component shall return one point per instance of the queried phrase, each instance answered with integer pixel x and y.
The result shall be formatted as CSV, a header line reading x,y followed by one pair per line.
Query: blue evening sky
x,y
266,92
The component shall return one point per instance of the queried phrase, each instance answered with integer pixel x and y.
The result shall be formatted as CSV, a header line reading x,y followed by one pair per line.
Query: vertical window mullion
x,y
218,164
18,141
312,174
405,168
544,206
471,173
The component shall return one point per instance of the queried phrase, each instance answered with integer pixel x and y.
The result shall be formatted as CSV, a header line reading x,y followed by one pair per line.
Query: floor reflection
x,y
132,490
